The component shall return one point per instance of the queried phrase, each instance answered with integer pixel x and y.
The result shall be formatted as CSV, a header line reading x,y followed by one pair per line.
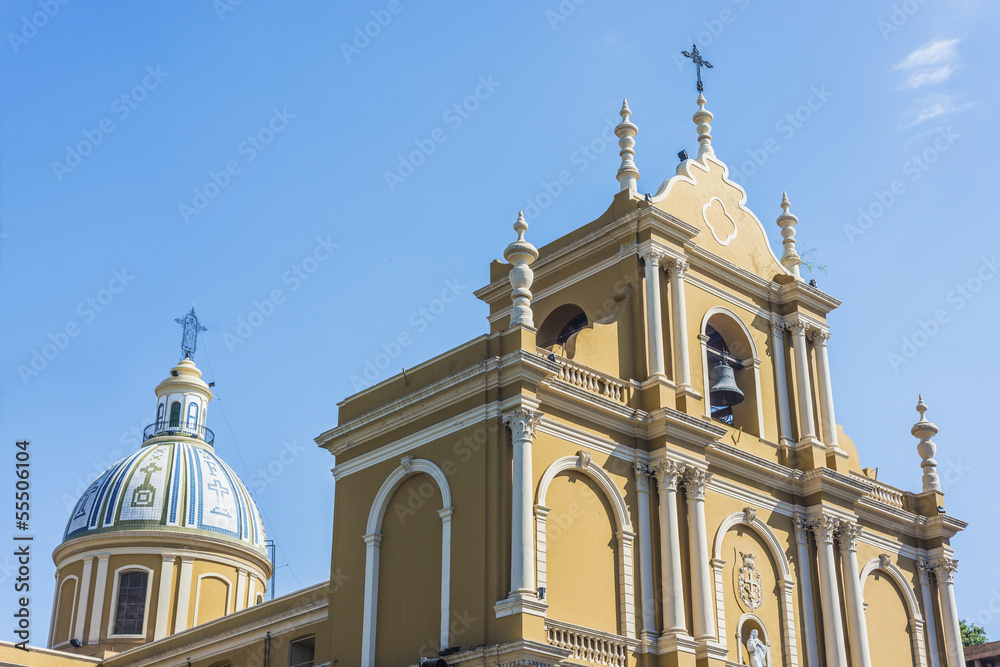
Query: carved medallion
x,y
751,592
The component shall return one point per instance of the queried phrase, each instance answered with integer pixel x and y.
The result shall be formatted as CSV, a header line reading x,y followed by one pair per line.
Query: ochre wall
x,y
887,619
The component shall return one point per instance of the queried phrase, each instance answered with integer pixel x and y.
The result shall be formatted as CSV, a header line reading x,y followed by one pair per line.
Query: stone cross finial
x,y
521,254
924,430
790,259
702,118
626,131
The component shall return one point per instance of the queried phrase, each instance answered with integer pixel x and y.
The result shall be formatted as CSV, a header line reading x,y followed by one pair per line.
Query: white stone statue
x,y
757,651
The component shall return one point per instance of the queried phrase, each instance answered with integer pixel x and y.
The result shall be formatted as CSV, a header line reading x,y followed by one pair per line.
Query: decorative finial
x,y
626,131
699,62
790,259
702,117
189,339
925,430
521,254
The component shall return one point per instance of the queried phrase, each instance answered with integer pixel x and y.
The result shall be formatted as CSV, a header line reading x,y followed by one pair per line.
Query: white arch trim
x,y
197,595
583,463
750,616
54,641
916,619
754,359
748,517
408,466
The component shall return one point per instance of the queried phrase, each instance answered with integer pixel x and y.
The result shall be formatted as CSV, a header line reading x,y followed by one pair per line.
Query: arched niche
x,y
722,328
884,566
559,328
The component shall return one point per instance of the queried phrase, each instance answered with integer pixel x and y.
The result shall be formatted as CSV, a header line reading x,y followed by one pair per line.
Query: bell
x,y
722,382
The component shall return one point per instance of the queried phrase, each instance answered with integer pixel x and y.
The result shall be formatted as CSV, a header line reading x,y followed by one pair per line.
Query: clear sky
x,y
157,155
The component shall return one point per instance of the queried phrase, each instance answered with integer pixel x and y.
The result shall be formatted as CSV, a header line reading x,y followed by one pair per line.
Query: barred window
x,y
175,414
131,605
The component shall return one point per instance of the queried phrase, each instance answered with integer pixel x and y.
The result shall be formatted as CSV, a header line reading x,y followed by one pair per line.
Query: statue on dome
x,y
189,339
757,650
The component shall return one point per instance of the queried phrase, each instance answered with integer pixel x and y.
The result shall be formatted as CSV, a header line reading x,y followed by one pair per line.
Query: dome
x,y
173,485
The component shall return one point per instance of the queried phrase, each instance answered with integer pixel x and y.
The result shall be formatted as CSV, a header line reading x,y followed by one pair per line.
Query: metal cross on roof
x,y
189,339
698,61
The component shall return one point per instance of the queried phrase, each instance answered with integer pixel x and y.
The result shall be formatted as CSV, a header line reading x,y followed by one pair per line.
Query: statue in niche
x,y
757,650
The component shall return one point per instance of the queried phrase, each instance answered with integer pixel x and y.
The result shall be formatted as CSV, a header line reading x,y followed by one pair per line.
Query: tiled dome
x,y
170,485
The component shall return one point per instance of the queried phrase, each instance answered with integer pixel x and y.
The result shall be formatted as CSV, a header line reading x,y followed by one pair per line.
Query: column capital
x,y
797,326
847,535
778,327
522,423
696,482
678,266
925,569
944,569
652,257
801,531
642,475
824,527
818,336
668,474
373,539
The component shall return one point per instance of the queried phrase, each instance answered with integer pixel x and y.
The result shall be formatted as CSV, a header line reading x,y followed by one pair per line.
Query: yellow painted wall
x,y
582,586
66,609
888,634
409,617
213,598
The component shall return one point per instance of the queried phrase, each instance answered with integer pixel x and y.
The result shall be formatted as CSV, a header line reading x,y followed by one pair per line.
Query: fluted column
x,y
696,482
682,360
645,554
806,589
944,571
819,340
781,381
522,425
847,535
668,474
925,569
654,308
803,394
824,527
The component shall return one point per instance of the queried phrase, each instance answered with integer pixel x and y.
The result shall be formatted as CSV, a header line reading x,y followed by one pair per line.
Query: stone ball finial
x,y
702,118
924,430
790,259
521,254
628,174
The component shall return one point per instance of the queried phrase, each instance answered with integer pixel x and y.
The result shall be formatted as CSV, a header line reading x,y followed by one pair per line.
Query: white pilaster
x,y
819,340
781,382
100,590
824,527
803,393
372,542
445,514
522,423
668,474
645,554
183,593
928,600
848,534
162,627
682,359
805,587
696,482
81,608
241,590
654,308
944,571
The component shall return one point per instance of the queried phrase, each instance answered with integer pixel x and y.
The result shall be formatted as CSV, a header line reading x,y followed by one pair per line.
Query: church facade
x,y
638,465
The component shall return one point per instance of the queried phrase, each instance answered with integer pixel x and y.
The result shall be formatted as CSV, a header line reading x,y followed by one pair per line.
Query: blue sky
x,y
310,188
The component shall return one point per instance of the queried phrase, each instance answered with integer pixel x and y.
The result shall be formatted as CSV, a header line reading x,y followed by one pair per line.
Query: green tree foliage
x,y
972,634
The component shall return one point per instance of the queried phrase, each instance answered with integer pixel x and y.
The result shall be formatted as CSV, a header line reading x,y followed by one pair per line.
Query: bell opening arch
x,y
726,340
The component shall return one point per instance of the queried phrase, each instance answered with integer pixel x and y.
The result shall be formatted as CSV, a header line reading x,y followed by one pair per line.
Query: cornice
x,y
744,463
806,294
832,483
